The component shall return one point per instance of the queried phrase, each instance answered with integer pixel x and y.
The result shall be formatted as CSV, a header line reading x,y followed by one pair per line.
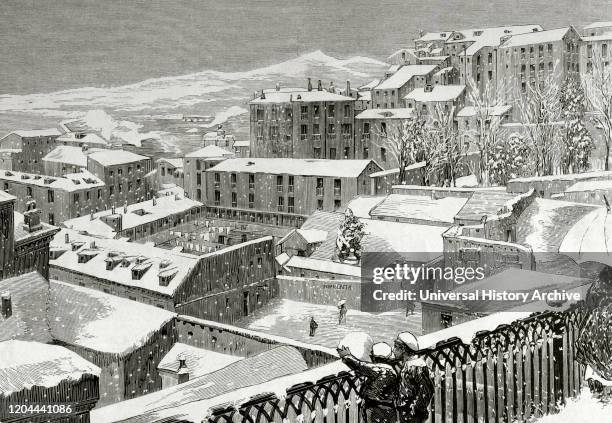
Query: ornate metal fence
x,y
515,372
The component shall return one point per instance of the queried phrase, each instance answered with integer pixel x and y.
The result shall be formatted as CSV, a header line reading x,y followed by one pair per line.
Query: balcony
x,y
319,191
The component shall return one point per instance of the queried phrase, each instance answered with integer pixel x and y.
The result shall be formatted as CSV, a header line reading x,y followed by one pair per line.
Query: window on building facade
x,y
281,203
234,199
604,50
332,153
331,130
337,204
233,180
550,49
29,191
316,129
198,179
366,128
198,194
251,200
316,110
365,152
290,184
75,197
319,204
251,181
51,219
337,187
347,110
279,183
304,112
50,196
217,198
331,111
317,153
290,204
347,152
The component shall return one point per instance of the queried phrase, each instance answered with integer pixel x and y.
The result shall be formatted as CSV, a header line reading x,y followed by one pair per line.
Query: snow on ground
x,y
291,319
585,409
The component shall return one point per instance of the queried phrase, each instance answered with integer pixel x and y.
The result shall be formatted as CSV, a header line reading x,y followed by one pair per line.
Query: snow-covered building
x,y
61,198
195,165
390,92
548,186
252,371
184,362
33,373
223,285
125,338
26,148
426,100
168,172
282,192
139,220
592,192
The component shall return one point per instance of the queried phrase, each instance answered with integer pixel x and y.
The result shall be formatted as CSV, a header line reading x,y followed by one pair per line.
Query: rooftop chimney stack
x,y
183,372
31,217
91,216
154,201
125,208
332,88
278,86
67,238
348,88
113,209
7,305
320,86
309,84
263,95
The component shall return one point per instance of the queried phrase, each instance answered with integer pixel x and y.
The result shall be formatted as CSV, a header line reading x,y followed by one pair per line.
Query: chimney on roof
x,y
332,88
182,372
176,197
428,88
92,244
31,217
7,305
421,33
263,95
154,201
67,238
278,86
91,216
319,86
348,88
113,209
309,84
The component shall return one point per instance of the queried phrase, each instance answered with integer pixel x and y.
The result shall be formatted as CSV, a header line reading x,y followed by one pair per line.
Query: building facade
x,y
195,165
29,148
302,123
280,188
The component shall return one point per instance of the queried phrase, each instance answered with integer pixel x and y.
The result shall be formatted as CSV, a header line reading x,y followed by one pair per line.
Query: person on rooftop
x,y
381,382
416,387
313,326
342,311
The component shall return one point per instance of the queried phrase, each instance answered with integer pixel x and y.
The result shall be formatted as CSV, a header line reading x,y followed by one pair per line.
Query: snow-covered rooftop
x,y
590,239
67,154
601,37
602,24
421,207
129,252
28,364
327,266
405,74
370,85
605,185
537,37
89,139
20,234
299,95
302,167
50,132
435,36
70,182
402,113
252,372
362,204
116,157
566,177
394,171
210,151
470,111
198,360
6,197
102,322
29,296
173,162
137,214
438,93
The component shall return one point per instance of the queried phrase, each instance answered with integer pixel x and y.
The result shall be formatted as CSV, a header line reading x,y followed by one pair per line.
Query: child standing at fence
x,y
416,388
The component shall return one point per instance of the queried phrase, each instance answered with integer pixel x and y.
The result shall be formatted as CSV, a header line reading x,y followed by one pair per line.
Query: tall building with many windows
x,y
302,123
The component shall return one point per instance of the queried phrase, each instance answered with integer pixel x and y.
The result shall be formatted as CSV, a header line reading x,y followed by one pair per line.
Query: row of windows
x,y
111,173
604,50
275,112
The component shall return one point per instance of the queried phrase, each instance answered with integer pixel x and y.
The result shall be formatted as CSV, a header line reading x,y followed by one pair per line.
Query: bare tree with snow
x,y
598,89
444,143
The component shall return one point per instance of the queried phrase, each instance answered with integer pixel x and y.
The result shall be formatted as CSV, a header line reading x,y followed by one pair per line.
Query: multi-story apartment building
x,y
277,191
468,117
61,198
538,58
474,52
24,240
597,28
123,174
27,148
595,47
425,101
82,140
302,123
371,129
195,165
390,92
64,159
168,172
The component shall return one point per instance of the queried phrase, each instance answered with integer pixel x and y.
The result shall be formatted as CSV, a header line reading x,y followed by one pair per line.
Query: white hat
x,y
409,340
381,349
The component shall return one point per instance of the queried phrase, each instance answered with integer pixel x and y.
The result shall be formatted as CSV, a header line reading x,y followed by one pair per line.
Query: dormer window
x,y
55,253
86,255
166,276
76,245
139,270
